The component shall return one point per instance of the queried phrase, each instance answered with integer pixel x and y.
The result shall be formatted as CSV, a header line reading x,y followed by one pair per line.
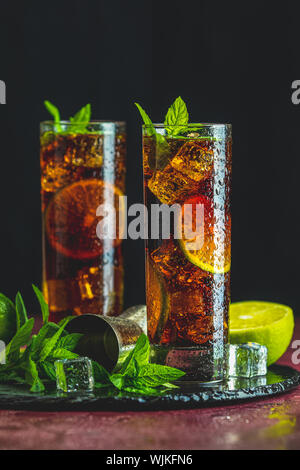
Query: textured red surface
x,y
262,424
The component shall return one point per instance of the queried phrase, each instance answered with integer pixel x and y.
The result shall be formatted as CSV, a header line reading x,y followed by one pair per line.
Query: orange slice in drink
x,y
71,219
206,242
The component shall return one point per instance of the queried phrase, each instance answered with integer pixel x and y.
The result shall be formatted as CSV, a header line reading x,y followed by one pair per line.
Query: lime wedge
x,y
265,323
158,303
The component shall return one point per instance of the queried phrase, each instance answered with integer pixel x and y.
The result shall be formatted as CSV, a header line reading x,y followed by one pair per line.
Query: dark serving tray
x,y
278,380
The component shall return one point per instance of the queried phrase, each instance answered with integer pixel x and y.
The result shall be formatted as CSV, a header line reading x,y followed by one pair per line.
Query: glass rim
x,y
93,121
190,124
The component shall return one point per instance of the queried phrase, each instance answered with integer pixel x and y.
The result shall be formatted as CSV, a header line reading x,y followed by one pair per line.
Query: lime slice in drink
x,y
214,252
7,319
157,303
266,323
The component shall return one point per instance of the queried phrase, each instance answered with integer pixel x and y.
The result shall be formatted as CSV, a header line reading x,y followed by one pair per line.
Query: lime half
x,y
265,323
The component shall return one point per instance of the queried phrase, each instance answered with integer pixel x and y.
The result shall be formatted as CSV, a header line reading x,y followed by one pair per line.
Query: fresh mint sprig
x,y
78,122
175,123
138,376
35,368
177,115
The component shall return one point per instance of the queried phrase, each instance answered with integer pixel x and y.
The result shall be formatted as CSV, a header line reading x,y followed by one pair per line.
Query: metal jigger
x,y
109,340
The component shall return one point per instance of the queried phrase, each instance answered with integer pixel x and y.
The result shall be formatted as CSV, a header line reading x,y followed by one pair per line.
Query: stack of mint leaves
x,y
29,358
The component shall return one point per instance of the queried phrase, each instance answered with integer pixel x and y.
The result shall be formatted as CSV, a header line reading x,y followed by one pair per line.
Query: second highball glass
x,y
82,167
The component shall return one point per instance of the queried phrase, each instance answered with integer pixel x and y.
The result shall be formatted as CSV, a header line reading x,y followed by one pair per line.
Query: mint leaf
x,y
69,341
20,311
83,115
118,380
43,303
45,332
53,110
100,373
62,353
61,376
162,147
150,130
177,115
32,376
78,122
49,344
21,338
155,374
139,355
169,385
69,317
81,119
48,369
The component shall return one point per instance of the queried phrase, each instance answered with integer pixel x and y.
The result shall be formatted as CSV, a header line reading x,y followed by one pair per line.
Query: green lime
x,y
157,301
7,319
265,323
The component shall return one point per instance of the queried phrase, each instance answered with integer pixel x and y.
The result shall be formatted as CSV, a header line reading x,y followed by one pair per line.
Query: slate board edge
x,y
176,401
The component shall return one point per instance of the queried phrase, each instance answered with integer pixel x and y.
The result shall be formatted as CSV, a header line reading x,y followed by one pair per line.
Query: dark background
x,y
231,62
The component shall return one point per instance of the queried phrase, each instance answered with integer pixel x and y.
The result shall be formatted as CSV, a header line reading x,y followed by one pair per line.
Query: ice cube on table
x,y
247,360
74,375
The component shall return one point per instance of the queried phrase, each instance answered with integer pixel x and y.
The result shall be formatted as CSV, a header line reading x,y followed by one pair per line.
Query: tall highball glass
x,y
187,176
82,168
